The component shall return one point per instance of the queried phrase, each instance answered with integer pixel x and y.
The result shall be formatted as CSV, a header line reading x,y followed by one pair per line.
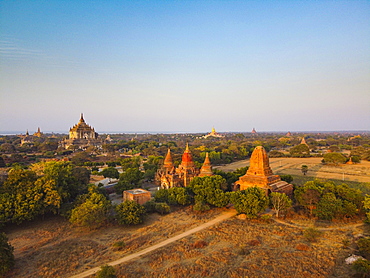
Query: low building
x,y
140,196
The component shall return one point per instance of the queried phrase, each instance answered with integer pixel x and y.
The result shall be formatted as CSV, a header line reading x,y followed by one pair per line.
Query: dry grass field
x,y
233,248
249,248
52,248
355,173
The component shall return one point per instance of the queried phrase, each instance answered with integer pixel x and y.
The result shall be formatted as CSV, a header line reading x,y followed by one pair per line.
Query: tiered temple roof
x,y
168,176
260,174
206,169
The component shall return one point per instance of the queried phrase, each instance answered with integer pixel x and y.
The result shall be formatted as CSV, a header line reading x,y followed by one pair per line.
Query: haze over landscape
x,y
179,66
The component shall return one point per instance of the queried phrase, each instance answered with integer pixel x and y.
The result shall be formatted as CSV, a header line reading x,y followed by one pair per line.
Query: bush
x,y
201,207
106,271
162,208
119,245
287,178
130,212
312,234
364,247
6,255
93,212
361,266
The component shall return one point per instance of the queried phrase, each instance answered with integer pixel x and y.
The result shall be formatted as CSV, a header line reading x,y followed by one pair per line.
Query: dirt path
x,y
218,219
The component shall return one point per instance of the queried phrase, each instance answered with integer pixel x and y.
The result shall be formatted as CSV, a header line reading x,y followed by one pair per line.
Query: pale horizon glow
x,y
185,66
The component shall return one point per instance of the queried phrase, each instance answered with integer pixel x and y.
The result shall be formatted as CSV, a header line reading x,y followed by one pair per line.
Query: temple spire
x,y
168,162
206,169
82,118
187,160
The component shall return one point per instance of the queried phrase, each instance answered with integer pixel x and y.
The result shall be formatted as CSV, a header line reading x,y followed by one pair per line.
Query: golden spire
x,y
82,118
168,162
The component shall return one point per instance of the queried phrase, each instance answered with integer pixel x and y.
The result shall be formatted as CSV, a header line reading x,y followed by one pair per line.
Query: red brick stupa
x,y
260,174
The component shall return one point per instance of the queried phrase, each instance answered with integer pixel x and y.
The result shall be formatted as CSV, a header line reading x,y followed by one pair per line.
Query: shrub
x,y
312,234
266,218
106,271
130,212
199,244
364,246
201,207
287,178
162,208
254,242
119,245
361,267
6,255
302,247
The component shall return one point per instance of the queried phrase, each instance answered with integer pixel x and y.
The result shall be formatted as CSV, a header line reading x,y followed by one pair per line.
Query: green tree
x,y
251,201
280,202
106,271
364,247
335,158
328,207
300,150
110,172
210,190
304,169
130,212
162,208
287,178
308,195
367,207
362,267
129,179
6,255
93,212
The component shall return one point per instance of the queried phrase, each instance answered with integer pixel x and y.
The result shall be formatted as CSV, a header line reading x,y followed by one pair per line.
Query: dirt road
x,y
218,219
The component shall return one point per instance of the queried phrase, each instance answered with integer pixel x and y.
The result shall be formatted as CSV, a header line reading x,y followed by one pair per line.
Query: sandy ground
x,y
356,172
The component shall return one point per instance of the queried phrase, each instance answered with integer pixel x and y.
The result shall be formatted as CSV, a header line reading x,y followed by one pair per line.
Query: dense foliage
x,y
130,212
6,255
251,201
27,193
93,212
327,200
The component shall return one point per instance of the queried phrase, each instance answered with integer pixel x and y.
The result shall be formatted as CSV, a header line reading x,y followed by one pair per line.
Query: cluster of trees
x,y
42,189
327,201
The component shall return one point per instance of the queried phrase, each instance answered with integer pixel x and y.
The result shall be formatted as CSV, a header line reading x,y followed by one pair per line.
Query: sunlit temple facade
x,y
169,176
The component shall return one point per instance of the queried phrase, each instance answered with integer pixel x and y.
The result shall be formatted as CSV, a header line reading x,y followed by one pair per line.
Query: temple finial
x,y
82,118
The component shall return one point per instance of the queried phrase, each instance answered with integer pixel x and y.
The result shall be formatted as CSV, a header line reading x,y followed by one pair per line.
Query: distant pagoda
x,y
81,135
213,133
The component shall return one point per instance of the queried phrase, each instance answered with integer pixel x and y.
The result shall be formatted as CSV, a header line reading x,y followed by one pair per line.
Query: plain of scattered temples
x,y
259,173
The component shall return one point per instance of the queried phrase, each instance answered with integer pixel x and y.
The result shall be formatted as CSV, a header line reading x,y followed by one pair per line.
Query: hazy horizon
x,y
185,65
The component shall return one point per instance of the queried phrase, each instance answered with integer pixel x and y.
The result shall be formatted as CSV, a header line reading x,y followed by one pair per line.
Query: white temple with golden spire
x,y
213,133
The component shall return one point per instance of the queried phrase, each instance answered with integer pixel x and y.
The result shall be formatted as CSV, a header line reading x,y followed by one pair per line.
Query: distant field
x,y
292,166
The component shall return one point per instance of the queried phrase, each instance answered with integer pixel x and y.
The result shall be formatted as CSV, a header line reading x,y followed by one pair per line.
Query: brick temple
x,y
260,174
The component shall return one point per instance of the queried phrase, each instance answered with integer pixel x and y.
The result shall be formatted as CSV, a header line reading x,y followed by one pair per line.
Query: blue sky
x,y
185,66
